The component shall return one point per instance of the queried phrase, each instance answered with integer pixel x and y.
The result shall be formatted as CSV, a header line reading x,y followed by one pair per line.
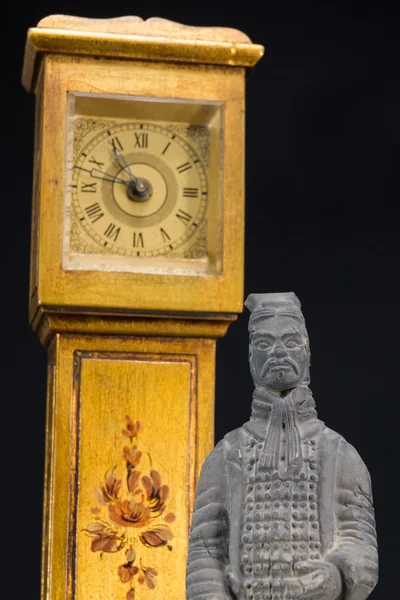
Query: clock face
x,y
143,187
139,189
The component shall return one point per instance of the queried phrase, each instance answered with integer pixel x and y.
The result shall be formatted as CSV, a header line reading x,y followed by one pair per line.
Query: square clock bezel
x,y
214,291
94,108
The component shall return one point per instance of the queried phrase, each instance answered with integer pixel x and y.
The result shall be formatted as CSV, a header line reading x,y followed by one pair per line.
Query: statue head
x,y
279,352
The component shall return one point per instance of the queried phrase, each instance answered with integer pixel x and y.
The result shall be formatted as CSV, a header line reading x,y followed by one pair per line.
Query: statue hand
x,y
319,580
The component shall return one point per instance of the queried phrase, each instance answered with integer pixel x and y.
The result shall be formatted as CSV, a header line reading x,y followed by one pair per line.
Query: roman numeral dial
x,y
138,189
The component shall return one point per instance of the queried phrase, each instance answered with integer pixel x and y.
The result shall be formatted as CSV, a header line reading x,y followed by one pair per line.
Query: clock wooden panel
x,y
127,433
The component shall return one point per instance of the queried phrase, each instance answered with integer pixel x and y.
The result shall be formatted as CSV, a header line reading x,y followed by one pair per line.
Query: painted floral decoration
x,y
136,513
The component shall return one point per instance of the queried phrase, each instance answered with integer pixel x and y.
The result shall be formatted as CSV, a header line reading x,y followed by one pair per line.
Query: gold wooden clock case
x,y
136,270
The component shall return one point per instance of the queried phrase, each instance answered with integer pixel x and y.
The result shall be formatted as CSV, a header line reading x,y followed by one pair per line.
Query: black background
x,y
322,220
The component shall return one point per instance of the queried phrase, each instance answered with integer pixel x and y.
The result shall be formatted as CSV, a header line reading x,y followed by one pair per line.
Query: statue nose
x,y
279,350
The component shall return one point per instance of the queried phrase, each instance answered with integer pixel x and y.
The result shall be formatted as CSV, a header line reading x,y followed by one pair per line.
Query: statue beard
x,y
275,361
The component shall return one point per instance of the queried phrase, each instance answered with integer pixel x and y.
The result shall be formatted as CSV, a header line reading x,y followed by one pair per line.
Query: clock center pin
x,y
140,190
145,192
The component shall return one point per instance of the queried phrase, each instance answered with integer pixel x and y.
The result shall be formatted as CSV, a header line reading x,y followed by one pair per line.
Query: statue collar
x,y
300,397
276,412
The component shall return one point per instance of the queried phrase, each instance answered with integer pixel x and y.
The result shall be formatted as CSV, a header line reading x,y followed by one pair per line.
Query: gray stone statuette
x,y
283,507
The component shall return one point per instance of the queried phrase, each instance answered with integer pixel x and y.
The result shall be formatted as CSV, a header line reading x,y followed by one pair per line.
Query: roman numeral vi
x,y
138,240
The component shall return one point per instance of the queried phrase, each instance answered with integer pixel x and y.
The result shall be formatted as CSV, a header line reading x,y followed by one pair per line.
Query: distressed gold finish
x,y
132,38
94,381
128,346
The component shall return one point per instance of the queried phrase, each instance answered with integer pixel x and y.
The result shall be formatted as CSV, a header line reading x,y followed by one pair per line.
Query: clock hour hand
x,y
100,175
97,174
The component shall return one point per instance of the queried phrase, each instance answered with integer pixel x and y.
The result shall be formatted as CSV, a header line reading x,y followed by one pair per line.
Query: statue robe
x,y
251,526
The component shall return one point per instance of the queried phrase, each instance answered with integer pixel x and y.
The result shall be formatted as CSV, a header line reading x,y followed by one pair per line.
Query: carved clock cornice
x,y
153,39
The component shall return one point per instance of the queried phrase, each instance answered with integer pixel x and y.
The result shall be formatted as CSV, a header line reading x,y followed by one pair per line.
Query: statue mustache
x,y
276,362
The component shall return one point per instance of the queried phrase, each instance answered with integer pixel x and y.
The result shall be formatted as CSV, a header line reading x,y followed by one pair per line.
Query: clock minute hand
x,y
122,163
138,188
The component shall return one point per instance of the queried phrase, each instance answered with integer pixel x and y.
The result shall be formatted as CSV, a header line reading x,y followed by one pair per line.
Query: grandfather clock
x,y
136,270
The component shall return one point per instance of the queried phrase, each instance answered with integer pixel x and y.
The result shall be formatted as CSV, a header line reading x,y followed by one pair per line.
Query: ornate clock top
x,y
153,27
132,37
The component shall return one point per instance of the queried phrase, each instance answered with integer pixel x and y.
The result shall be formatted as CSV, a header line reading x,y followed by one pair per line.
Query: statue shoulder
x,y
215,456
232,438
350,467
226,449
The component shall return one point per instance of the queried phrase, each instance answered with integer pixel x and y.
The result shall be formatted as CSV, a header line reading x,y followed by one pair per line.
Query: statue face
x,y
278,353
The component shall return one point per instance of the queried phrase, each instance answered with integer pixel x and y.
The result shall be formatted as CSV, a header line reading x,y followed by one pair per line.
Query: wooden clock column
x,y
130,403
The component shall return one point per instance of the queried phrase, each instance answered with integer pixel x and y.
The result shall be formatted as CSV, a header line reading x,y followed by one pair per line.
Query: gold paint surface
x,y
168,385
131,386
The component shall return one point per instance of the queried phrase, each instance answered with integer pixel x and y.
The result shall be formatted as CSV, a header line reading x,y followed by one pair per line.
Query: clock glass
x,y
143,186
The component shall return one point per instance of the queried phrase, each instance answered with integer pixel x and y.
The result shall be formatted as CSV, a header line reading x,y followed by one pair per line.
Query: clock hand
x,y
108,177
138,188
121,162
97,174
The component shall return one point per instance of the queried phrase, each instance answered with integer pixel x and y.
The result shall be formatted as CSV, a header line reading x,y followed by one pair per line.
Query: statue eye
x,y
291,344
264,345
